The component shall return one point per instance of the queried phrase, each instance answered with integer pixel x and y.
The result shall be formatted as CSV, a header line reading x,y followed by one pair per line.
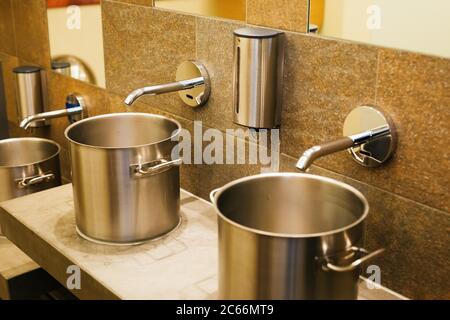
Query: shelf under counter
x,y
181,265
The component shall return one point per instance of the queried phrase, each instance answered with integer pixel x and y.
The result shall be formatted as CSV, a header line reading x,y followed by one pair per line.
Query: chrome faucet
x,y
310,155
73,110
192,84
164,88
25,123
371,147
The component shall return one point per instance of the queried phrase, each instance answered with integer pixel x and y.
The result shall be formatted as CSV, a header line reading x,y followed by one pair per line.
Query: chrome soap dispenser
x,y
258,73
30,88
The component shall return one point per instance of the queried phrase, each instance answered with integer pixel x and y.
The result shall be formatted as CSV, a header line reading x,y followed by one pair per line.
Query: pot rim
x,y
56,153
113,115
355,191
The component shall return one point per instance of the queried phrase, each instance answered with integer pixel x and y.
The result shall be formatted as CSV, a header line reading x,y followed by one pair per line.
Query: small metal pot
x,y
126,185
290,236
28,165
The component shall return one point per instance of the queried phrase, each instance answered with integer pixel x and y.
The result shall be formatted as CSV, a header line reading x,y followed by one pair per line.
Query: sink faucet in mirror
x,y
74,108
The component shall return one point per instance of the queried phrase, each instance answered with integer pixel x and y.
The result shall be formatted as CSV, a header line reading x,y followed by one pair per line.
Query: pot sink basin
x,y
126,185
28,165
290,236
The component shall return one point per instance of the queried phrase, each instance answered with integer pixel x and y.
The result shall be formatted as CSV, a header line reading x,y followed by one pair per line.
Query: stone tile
x,y
212,176
324,80
281,14
115,103
415,90
215,47
7,39
416,238
144,46
31,30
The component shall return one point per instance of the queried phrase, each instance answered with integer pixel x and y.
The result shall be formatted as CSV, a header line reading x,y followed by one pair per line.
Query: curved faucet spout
x,y
26,122
163,88
310,155
133,96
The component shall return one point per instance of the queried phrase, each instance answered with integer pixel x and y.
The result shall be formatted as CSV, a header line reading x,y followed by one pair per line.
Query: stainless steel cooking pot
x,y
28,165
126,185
290,236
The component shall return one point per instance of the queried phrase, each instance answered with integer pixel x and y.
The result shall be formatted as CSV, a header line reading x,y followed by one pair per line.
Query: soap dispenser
x,y
30,88
258,73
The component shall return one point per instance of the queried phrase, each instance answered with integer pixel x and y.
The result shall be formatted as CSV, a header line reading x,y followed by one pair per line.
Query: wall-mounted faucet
x,y
192,84
369,135
31,89
74,109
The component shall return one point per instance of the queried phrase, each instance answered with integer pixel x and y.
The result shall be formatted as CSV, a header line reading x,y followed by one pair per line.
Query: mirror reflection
x,y
76,39
230,9
415,25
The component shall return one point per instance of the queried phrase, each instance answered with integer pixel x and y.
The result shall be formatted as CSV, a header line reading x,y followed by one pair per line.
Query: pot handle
x,y
149,169
30,181
212,195
355,264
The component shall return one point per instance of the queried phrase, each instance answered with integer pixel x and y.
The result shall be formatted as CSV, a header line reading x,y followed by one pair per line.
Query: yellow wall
x,y
415,25
317,12
231,9
85,43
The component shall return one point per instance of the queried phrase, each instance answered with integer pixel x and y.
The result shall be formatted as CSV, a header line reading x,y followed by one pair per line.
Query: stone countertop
x,y
181,265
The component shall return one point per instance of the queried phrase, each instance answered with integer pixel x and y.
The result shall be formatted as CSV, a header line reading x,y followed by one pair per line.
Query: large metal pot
x,y
290,236
28,165
126,185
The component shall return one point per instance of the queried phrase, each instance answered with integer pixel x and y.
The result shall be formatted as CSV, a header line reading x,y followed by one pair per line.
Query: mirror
x,y
230,9
76,39
414,25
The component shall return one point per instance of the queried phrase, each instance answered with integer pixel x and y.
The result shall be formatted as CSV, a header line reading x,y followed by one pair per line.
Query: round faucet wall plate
x,y
377,151
74,100
198,95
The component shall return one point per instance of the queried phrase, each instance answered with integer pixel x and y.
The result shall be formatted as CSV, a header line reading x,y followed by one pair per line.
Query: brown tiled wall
x,y
324,80
281,14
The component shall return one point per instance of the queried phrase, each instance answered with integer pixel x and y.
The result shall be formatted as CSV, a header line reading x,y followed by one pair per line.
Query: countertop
x,y
181,265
